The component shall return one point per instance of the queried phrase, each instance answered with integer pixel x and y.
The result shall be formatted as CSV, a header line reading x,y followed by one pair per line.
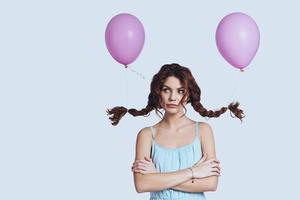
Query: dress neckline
x,y
181,147
175,148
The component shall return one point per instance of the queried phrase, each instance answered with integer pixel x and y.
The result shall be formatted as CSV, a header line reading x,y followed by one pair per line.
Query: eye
x,y
182,91
165,89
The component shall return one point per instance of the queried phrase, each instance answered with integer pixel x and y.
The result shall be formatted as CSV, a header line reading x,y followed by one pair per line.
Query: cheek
x,y
163,97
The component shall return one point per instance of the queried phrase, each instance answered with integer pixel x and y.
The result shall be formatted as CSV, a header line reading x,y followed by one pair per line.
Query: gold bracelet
x,y
192,174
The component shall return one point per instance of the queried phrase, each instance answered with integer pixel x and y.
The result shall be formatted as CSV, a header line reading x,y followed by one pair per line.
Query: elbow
x,y
139,189
142,189
213,186
142,184
139,183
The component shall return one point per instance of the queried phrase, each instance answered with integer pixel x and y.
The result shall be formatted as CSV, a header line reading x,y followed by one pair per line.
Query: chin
x,y
171,110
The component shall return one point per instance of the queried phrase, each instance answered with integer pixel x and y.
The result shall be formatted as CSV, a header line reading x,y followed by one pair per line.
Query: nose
x,y
173,96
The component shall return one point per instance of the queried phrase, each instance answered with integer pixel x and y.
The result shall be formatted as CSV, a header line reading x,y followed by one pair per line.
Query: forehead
x,y
172,82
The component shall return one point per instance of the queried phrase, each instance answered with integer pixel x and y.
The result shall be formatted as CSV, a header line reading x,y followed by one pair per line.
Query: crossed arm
x,y
178,180
199,185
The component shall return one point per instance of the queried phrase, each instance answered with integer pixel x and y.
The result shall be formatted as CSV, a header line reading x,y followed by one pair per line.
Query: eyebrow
x,y
170,88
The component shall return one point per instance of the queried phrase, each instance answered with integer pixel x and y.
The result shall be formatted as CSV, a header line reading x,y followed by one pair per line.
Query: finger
x,y
142,165
218,167
215,170
134,168
140,171
210,160
139,164
137,168
144,162
148,159
140,161
215,174
215,165
136,162
216,161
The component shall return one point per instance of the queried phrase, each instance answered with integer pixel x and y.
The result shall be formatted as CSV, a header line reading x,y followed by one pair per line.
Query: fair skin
x,y
175,131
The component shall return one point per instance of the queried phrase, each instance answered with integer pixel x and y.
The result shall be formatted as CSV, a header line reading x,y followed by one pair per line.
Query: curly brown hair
x,y
192,90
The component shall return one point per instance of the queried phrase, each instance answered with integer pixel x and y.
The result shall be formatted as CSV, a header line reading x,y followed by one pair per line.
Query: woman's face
x,y
171,93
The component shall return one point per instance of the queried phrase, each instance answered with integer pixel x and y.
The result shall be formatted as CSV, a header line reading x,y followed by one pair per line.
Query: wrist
x,y
191,173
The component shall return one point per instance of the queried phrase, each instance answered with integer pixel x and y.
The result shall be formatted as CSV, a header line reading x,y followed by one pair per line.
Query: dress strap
x,y
153,132
197,129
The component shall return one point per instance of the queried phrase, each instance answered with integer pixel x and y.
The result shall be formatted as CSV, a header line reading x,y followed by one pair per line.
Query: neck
x,y
173,120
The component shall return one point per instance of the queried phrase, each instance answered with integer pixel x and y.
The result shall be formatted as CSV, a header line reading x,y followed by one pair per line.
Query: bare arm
x,y
155,181
160,181
208,183
199,185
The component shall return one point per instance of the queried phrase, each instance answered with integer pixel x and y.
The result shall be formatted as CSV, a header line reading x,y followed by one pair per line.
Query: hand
x,y
145,166
204,168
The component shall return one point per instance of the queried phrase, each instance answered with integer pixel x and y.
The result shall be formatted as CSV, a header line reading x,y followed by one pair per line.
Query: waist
x,y
176,195
179,198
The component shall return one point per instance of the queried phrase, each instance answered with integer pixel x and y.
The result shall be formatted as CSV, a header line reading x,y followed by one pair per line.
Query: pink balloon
x,y
124,37
237,39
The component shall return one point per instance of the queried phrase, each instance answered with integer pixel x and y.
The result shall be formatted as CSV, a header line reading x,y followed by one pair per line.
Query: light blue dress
x,y
168,159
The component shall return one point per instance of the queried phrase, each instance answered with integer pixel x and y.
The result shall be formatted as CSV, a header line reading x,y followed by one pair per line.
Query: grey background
x,y
57,79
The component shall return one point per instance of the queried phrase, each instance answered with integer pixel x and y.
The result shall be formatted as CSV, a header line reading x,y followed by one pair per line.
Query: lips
x,y
172,105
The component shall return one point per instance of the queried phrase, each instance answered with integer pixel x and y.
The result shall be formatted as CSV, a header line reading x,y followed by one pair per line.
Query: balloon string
x,y
237,82
234,91
126,77
137,73
127,81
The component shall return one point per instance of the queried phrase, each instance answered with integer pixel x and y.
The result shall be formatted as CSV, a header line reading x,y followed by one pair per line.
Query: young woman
x,y
175,158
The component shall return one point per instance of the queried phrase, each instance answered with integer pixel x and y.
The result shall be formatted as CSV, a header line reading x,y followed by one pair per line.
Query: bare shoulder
x,y
144,134
207,139
205,130
143,143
